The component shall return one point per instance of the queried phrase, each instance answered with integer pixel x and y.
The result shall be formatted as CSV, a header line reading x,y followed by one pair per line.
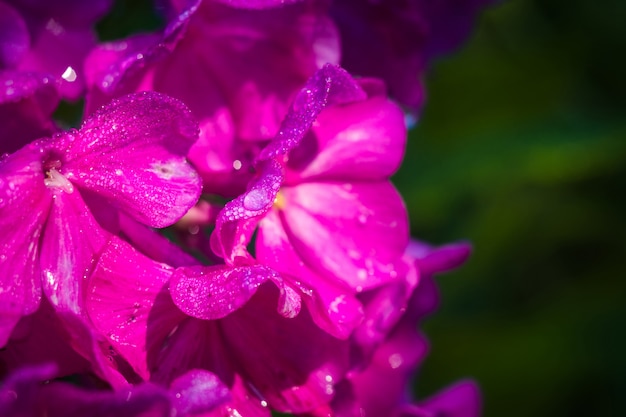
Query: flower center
x,y
53,178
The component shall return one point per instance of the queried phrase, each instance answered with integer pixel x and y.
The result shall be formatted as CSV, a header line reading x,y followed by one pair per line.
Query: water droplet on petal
x,y
69,75
256,199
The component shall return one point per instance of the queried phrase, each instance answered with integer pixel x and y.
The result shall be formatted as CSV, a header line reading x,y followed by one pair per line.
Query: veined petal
x,y
364,140
24,206
132,152
354,232
129,304
71,244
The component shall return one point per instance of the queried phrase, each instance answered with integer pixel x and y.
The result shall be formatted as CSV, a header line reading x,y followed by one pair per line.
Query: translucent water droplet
x,y
362,219
256,199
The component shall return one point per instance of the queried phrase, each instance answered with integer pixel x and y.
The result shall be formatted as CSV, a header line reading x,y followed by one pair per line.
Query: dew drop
x,y
256,200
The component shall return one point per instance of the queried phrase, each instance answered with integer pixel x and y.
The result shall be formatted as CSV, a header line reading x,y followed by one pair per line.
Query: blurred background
x,y
522,150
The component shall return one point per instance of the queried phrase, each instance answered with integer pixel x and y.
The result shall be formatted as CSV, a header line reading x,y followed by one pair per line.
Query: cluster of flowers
x,y
293,285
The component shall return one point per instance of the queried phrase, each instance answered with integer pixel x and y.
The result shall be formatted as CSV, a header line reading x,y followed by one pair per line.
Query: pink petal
x,y
364,140
238,219
24,205
433,260
71,244
214,292
332,306
355,233
132,152
328,86
129,304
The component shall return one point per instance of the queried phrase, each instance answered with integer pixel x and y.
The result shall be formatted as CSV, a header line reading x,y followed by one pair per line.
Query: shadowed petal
x,y
14,37
27,101
198,391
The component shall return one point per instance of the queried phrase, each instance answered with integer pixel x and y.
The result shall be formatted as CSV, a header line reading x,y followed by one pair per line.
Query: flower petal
x,y
459,400
132,152
290,363
14,37
24,205
213,292
364,140
328,86
332,306
129,304
71,243
355,233
237,221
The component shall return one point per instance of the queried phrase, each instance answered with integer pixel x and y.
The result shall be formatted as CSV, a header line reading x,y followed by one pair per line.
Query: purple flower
x,y
237,70
50,38
328,218
266,358
396,359
129,156
24,395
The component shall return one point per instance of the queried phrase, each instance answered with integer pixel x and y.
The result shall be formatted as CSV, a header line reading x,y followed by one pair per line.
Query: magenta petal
x,y
364,140
333,307
198,391
132,152
41,338
328,86
27,101
238,219
460,400
24,205
71,244
433,260
14,37
214,292
356,232
128,303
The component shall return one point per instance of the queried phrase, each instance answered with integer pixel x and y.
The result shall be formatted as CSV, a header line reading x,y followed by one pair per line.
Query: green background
x,y
522,149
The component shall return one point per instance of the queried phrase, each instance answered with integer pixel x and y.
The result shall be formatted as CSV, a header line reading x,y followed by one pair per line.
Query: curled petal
x,y
238,219
211,293
328,86
132,152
